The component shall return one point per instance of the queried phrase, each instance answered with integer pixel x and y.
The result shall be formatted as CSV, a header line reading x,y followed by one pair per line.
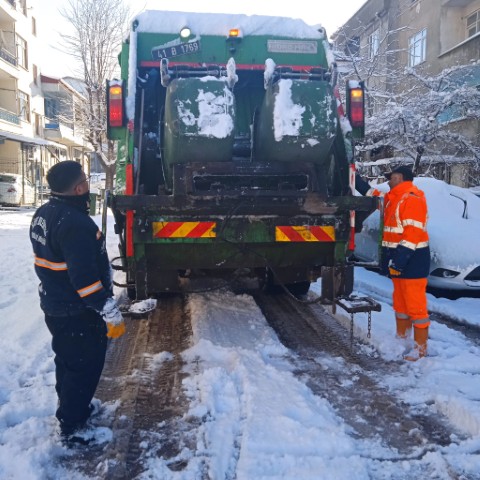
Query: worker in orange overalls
x,y
405,254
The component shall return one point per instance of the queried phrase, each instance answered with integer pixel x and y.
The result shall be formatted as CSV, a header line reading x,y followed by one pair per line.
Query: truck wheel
x,y
298,289
131,293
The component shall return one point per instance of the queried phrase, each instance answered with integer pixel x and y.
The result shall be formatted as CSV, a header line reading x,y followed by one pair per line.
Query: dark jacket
x,y
71,259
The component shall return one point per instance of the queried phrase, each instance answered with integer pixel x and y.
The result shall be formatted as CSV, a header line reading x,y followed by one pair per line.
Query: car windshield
x,y
7,178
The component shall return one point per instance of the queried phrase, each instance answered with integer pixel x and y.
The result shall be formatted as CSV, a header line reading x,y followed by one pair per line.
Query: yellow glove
x,y
115,331
393,272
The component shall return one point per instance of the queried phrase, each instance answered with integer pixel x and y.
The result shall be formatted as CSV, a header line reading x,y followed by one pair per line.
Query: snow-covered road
x,y
256,418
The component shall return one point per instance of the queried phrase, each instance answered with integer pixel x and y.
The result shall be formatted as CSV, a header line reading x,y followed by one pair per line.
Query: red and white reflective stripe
x,y
129,214
393,229
57,266
351,240
351,178
405,243
94,287
414,223
425,322
373,192
336,94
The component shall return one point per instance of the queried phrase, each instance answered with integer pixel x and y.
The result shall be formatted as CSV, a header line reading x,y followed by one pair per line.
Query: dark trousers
x,y
80,343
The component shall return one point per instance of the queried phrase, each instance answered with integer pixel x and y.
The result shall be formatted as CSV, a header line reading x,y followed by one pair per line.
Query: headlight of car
x,y
444,272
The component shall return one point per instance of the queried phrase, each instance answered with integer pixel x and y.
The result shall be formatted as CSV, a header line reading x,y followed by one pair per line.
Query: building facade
x,y
386,38
63,116
37,113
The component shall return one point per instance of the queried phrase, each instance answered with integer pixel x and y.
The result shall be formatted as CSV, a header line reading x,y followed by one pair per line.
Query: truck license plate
x,y
175,51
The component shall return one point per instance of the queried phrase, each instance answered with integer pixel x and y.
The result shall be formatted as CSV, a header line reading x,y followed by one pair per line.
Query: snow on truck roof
x,y
156,21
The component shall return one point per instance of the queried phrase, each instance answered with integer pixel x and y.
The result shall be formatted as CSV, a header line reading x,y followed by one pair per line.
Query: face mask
x,y
85,196
82,201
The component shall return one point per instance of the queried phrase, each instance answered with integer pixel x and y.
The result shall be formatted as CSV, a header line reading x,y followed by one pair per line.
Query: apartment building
x,y
63,115
386,37
37,112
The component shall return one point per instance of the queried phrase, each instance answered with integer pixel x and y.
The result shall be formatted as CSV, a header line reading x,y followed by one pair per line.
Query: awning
x,y
31,140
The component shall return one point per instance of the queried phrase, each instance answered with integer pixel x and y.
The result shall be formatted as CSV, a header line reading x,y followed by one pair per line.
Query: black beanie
x,y
64,175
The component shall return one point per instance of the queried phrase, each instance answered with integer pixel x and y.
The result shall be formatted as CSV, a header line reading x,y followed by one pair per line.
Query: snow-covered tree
x,y
94,40
430,116
412,112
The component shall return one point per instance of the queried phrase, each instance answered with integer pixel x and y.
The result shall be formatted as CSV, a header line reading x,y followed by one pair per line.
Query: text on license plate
x,y
182,49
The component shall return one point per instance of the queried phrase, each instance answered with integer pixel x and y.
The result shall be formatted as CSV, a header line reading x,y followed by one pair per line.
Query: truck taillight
x,y
115,106
357,111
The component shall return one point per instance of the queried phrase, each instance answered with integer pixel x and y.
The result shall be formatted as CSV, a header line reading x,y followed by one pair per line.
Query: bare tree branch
x,y
98,28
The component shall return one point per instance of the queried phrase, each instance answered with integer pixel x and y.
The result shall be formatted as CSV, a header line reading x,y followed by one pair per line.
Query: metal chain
x,y
351,331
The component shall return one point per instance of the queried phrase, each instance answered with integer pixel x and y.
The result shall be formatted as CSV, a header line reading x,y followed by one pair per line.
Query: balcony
x,y
9,116
62,130
9,7
462,53
7,45
8,57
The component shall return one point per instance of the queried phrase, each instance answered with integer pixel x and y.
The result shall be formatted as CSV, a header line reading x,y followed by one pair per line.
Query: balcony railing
x,y
59,121
8,57
9,116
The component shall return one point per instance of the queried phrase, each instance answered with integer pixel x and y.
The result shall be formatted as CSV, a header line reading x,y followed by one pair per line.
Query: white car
x,y
11,192
454,230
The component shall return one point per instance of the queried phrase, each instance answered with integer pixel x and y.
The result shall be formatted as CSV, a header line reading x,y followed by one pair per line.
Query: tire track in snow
x,y
143,375
346,377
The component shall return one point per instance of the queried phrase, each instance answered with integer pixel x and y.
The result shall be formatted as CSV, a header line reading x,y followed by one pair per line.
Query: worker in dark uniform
x,y
75,293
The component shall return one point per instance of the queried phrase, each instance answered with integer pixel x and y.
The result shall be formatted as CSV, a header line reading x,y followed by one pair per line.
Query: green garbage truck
x,y
235,155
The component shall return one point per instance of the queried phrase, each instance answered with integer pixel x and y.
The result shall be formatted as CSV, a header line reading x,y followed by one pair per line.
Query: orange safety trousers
x,y
410,298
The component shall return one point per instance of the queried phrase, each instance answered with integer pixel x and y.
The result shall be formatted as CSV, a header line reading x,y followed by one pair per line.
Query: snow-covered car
x,y
454,230
11,191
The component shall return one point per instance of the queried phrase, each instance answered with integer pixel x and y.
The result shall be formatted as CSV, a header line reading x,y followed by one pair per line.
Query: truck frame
x,y
234,154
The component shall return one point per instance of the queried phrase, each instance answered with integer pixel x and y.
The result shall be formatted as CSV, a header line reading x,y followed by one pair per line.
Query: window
x,y
23,6
373,44
34,26
51,108
417,48
38,124
22,57
35,74
353,46
473,24
23,106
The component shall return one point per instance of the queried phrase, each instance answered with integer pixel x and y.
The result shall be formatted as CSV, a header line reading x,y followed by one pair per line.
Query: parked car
x,y
11,192
454,231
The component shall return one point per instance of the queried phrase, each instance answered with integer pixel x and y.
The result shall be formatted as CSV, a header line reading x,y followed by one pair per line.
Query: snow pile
x,y
287,116
256,417
269,71
453,227
214,119
453,222
152,21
